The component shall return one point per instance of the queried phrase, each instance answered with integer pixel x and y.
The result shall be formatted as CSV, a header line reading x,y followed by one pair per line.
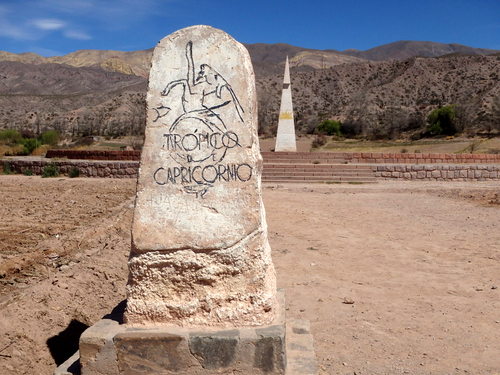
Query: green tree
x,y
443,121
330,127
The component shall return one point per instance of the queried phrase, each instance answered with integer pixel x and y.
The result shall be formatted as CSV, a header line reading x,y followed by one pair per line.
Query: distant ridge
x,y
55,79
266,58
405,49
132,63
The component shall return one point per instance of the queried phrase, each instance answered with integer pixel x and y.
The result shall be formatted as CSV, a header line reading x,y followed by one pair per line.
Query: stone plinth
x,y
200,254
110,348
181,350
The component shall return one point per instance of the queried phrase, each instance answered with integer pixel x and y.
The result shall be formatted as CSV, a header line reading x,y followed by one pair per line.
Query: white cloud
x,y
75,34
48,23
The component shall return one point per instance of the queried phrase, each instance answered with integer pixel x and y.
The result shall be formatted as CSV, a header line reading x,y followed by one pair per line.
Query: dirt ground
x,y
395,277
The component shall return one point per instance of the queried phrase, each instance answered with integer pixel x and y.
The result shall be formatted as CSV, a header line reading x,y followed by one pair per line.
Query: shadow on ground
x,y
65,343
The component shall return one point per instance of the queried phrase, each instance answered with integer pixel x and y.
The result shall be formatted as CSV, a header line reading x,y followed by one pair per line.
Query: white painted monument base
x,y
285,137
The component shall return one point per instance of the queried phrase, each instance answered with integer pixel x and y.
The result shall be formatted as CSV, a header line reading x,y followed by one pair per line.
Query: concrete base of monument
x,y
111,348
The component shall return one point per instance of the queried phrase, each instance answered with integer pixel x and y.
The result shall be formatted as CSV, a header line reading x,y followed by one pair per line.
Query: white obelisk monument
x,y
285,139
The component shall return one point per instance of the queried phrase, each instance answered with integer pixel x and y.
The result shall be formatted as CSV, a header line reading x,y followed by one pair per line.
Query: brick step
x,y
308,169
323,181
339,174
305,161
317,166
314,155
318,182
304,155
317,178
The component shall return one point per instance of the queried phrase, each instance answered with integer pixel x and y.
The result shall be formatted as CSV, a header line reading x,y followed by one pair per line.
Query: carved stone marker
x,y
200,254
201,291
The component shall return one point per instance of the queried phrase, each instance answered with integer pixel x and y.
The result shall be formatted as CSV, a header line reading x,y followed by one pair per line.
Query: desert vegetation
x,y
12,142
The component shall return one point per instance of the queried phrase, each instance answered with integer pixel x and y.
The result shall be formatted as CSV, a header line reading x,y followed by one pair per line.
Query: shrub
x,y
74,172
50,170
330,127
319,140
10,137
50,137
29,145
28,172
27,133
40,151
351,128
442,121
6,168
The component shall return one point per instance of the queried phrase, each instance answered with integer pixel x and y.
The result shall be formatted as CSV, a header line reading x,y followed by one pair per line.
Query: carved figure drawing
x,y
197,89
197,137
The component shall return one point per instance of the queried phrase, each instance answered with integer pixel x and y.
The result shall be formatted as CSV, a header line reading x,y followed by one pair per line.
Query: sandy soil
x,y
395,277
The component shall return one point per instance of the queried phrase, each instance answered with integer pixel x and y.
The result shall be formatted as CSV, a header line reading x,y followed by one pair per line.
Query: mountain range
x,y
381,92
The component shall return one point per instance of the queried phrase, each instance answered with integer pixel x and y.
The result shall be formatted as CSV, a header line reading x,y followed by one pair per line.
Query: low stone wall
x,y
94,154
112,168
129,169
435,172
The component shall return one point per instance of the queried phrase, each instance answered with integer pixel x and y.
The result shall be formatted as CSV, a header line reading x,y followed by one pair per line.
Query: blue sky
x,y
57,27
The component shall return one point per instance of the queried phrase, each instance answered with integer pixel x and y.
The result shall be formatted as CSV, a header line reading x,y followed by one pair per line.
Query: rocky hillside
x,y
74,101
102,92
385,99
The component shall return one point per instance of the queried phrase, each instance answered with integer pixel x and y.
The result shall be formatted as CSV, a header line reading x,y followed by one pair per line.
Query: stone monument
x,y
201,290
200,254
285,138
